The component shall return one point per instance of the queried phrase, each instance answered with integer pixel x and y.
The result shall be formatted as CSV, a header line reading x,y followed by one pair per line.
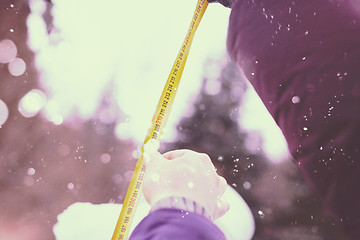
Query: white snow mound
x,y
97,221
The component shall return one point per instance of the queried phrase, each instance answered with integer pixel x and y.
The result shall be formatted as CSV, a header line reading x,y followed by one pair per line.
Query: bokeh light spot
x,y
105,158
30,171
70,186
17,67
8,51
32,103
4,113
51,113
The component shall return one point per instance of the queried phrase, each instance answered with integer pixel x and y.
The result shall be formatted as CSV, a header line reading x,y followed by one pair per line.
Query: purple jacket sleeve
x,y
174,224
303,59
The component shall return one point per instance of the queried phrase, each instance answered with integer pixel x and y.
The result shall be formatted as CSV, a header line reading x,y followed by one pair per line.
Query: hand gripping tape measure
x,y
159,120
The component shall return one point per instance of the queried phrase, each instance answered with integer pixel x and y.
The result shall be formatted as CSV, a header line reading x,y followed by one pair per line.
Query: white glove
x,y
186,174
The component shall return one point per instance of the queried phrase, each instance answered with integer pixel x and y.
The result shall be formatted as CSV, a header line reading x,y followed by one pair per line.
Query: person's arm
x,y
176,224
302,57
185,193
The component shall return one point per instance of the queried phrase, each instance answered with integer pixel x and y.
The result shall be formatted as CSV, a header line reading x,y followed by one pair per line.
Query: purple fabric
x,y
174,224
303,59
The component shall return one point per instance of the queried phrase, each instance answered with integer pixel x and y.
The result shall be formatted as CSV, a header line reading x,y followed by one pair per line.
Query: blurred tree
x,y
213,129
45,167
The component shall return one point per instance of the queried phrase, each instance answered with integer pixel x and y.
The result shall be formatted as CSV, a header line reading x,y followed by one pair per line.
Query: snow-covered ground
x,y
93,222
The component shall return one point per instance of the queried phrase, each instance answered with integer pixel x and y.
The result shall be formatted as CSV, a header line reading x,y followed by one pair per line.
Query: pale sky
x,y
127,48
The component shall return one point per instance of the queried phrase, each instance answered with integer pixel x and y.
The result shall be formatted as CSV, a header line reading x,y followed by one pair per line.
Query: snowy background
x,y
79,82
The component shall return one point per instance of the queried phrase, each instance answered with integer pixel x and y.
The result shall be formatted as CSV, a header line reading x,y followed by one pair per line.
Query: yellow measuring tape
x,y
158,123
